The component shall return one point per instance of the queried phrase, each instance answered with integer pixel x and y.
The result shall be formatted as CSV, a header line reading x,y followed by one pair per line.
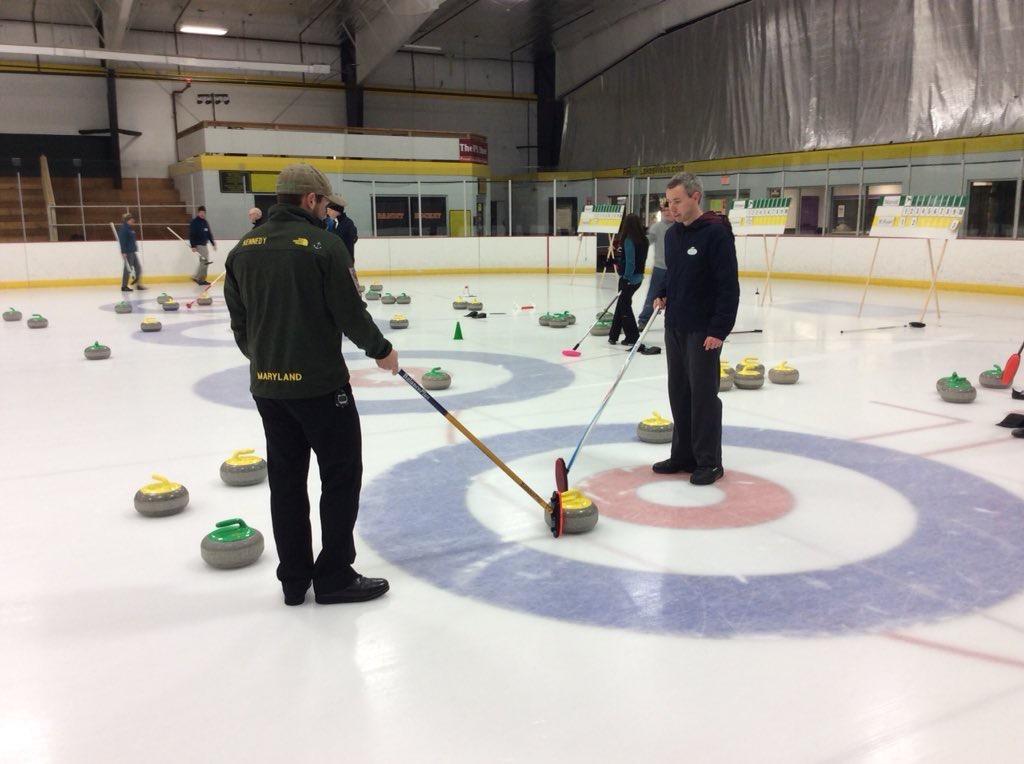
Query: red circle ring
x,y
749,500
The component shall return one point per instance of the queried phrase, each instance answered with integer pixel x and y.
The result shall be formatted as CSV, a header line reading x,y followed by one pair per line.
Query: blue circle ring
x,y
964,553
530,378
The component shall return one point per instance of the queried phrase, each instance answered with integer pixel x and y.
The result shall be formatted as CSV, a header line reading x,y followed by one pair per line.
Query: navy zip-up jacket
x,y
126,238
701,286
199,233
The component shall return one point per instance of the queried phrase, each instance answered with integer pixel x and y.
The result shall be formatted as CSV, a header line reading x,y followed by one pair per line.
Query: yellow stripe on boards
x,y
343,166
946,286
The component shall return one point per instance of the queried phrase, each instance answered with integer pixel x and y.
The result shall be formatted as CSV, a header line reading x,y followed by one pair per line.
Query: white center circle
x,y
677,493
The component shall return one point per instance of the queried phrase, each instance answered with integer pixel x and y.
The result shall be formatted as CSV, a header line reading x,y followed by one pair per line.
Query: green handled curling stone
x,y
232,545
993,378
97,352
956,389
436,379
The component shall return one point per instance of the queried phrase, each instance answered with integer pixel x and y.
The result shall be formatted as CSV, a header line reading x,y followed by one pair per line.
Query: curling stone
x,y
580,513
403,299
459,303
399,321
436,379
956,389
376,287
748,378
372,295
543,319
558,320
783,374
97,352
232,545
37,322
571,317
474,304
751,361
604,315
161,498
601,329
726,380
993,378
12,315
150,324
727,368
243,468
171,305
123,307
204,300
164,297
387,299
655,429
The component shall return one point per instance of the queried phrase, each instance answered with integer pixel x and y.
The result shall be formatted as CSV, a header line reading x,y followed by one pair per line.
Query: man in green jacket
x,y
291,291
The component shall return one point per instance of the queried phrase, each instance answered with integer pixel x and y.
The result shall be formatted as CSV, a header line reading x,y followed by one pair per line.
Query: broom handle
x,y
608,395
473,439
601,316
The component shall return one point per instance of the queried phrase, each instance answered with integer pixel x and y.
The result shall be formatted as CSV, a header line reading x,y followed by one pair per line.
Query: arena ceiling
x,y
584,36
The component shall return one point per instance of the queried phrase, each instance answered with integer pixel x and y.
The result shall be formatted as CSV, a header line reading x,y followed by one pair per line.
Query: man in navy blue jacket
x,y
129,254
700,295
199,238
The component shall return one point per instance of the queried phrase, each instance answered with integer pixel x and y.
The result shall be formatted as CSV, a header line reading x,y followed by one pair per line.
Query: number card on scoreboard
x,y
601,218
759,217
936,216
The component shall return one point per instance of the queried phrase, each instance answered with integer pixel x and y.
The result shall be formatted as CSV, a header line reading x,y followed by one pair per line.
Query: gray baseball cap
x,y
303,178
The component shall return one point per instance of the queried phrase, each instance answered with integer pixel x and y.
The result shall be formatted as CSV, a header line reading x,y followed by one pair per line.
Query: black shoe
x,y
706,475
295,594
201,282
669,467
140,288
360,590
649,350
1018,433
629,343
126,289
1017,395
613,341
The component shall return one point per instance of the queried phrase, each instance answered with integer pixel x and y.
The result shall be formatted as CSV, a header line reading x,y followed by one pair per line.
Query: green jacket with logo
x,y
291,291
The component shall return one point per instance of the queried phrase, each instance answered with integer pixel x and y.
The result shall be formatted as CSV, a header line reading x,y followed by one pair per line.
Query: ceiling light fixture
x,y
196,29
422,49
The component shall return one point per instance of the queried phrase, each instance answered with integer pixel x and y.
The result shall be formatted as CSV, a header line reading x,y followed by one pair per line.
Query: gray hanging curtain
x,y
796,75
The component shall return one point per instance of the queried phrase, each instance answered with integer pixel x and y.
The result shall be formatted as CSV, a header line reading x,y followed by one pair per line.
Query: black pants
x,y
130,259
624,321
329,425
693,378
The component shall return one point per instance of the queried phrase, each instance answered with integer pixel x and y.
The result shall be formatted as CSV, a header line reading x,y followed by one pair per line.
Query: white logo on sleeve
x,y
691,251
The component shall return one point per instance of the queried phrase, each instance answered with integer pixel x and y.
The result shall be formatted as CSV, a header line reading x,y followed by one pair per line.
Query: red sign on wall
x,y
473,149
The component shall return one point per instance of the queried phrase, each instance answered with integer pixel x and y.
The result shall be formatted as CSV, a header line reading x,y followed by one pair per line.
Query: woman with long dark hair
x,y
630,260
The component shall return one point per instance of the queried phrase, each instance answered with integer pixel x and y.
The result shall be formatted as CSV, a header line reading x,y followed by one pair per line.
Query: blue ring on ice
x,y
530,378
963,555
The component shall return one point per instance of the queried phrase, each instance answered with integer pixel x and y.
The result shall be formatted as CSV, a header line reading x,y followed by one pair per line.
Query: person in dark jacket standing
x,y
291,292
339,223
129,254
701,295
200,238
630,260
